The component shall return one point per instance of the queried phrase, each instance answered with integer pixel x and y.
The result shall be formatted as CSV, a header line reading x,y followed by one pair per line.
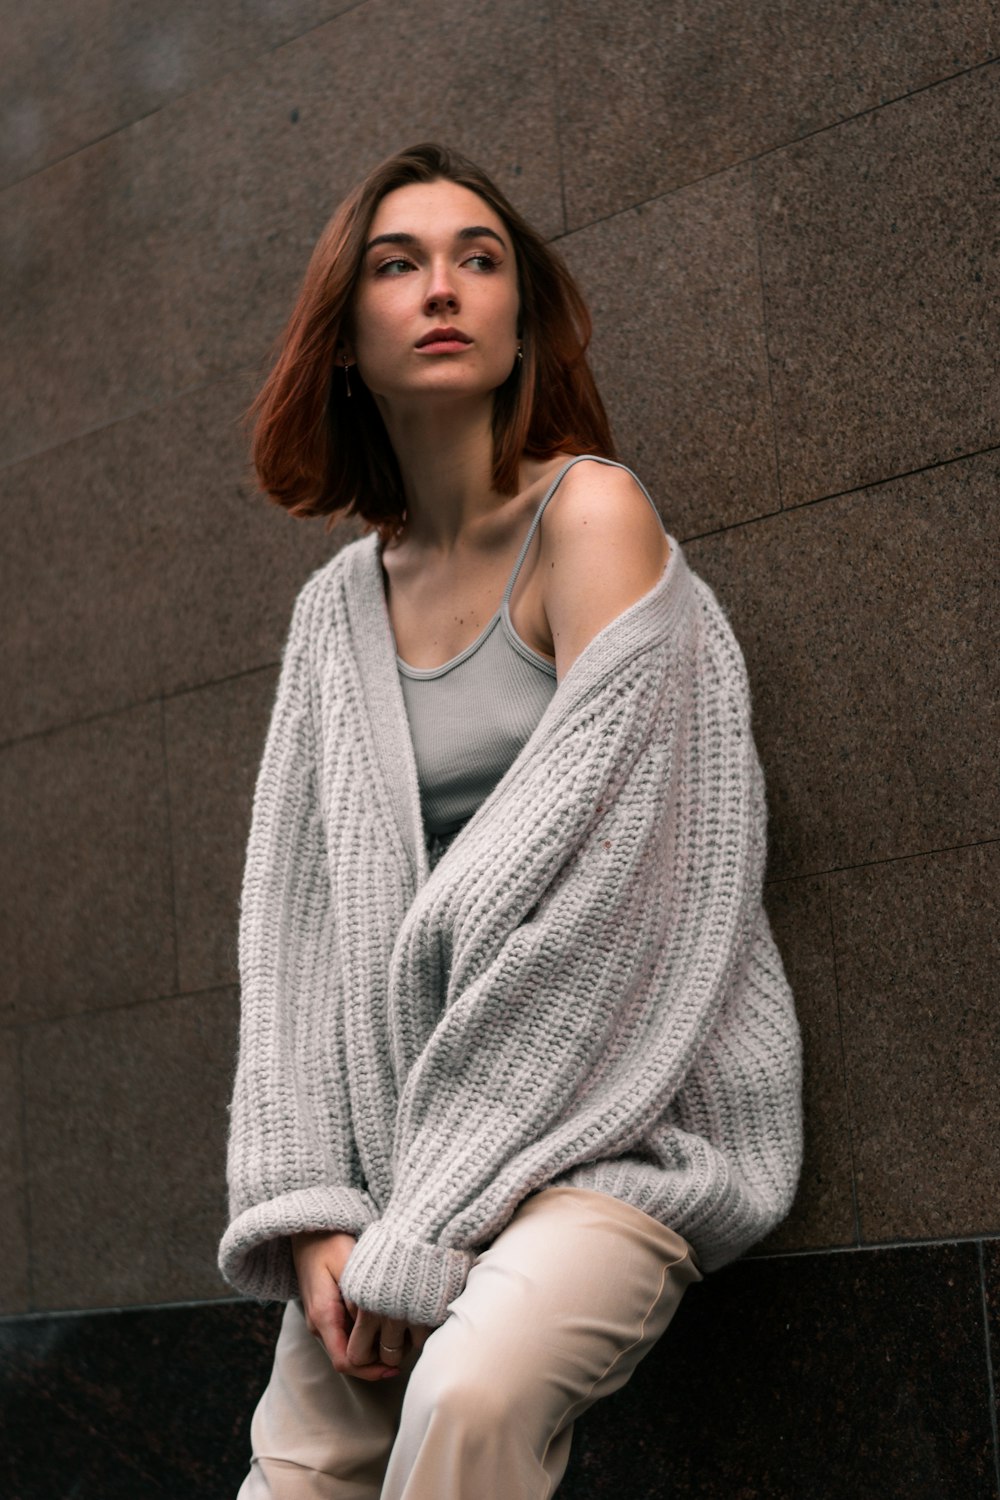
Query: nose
x,y
440,291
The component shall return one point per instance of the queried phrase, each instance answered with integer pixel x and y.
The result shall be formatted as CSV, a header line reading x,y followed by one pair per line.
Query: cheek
x,y
502,319
375,333
378,308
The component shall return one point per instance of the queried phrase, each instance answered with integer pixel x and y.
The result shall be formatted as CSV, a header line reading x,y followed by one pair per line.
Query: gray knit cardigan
x,y
584,990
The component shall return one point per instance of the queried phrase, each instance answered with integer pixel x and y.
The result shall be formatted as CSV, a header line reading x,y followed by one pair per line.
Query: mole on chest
x,y
440,621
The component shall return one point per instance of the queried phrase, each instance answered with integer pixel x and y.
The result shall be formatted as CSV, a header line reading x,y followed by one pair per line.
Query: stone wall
x,y
785,219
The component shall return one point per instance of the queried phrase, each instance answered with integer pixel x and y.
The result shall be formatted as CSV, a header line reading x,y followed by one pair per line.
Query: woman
x,y
518,1058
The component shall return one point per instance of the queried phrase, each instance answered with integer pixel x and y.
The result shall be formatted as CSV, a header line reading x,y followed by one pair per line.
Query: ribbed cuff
x,y
255,1253
404,1278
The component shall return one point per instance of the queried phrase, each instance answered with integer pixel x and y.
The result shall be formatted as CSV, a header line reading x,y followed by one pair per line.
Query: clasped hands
x,y
360,1342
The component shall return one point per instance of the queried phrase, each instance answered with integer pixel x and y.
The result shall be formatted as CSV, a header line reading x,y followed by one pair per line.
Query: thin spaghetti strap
x,y
591,458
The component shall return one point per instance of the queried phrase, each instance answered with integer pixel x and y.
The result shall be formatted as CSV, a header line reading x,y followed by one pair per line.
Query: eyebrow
x,y
473,232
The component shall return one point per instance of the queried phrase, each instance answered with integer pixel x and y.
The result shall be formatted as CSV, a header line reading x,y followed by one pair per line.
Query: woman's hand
x,y
378,1338
349,1334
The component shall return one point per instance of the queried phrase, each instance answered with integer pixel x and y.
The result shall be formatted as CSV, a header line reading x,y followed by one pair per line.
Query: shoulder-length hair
x,y
319,452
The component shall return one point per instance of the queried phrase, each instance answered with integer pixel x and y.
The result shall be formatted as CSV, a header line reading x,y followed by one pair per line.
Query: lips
x,y
444,336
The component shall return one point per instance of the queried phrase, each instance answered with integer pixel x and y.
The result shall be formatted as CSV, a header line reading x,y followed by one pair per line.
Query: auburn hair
x,y
318,452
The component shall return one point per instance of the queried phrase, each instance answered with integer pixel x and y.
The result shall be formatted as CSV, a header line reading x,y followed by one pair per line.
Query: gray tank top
x,y
470,717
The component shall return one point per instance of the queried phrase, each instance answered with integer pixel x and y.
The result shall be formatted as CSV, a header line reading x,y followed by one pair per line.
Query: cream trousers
x,y
556,1312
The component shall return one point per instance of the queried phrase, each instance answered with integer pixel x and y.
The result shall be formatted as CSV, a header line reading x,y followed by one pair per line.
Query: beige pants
x,y
556,1312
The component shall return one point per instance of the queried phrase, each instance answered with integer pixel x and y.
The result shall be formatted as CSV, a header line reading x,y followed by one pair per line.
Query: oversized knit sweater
x,y
584,990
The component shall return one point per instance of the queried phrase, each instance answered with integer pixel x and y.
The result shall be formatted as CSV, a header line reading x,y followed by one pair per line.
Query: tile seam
x,y
874,1246
90,1012
762,288
38,1315
175,99
180,993
25,1193
750,160
107,713
254,372
241,370
171,860
233,983
558,117
888,859
123,125
753,157
834,495
125,708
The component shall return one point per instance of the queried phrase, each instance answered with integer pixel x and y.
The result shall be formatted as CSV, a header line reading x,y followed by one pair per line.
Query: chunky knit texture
x,y
584,989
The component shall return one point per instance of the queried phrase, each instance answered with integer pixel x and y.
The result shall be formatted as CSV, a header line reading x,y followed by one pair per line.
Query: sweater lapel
x,y
662,614
652,618
375,645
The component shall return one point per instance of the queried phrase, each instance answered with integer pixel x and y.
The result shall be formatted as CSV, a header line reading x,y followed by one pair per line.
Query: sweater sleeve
x,y
564,1037
291,1160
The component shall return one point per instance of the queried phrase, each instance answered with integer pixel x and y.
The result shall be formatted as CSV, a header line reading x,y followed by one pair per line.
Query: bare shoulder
x,y
601,548
603,500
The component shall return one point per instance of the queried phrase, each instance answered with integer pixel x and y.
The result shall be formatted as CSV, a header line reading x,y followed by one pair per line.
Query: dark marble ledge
x,y
820,1374
870,1245
38,1315
41,1315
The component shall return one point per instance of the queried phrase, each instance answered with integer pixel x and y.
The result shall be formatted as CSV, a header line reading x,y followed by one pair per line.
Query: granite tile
x,y
854,1374
678,350
126,1124
880,260
272,23
171,253
823,1212
86,912
73,599
221,564
14,1269
918,952
126,574
215,740
654,93
869,628
72,74
114,1405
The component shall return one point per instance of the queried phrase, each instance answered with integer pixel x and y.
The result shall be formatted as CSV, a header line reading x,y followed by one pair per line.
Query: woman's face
x,y
437,257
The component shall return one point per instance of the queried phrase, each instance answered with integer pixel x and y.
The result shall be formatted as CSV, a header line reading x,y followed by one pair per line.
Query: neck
x,y
445,456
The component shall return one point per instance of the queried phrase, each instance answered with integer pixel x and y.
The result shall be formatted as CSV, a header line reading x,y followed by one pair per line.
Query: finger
x,y
333,1332
376,1370
329,1324
335,1341
362,1345
371,1372
391,1341
315,1314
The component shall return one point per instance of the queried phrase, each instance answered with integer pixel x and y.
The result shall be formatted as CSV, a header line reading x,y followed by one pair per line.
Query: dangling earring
x,y
520,353
347,378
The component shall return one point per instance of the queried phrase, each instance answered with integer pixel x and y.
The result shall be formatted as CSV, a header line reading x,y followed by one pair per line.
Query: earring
x,y
347,378
520,352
